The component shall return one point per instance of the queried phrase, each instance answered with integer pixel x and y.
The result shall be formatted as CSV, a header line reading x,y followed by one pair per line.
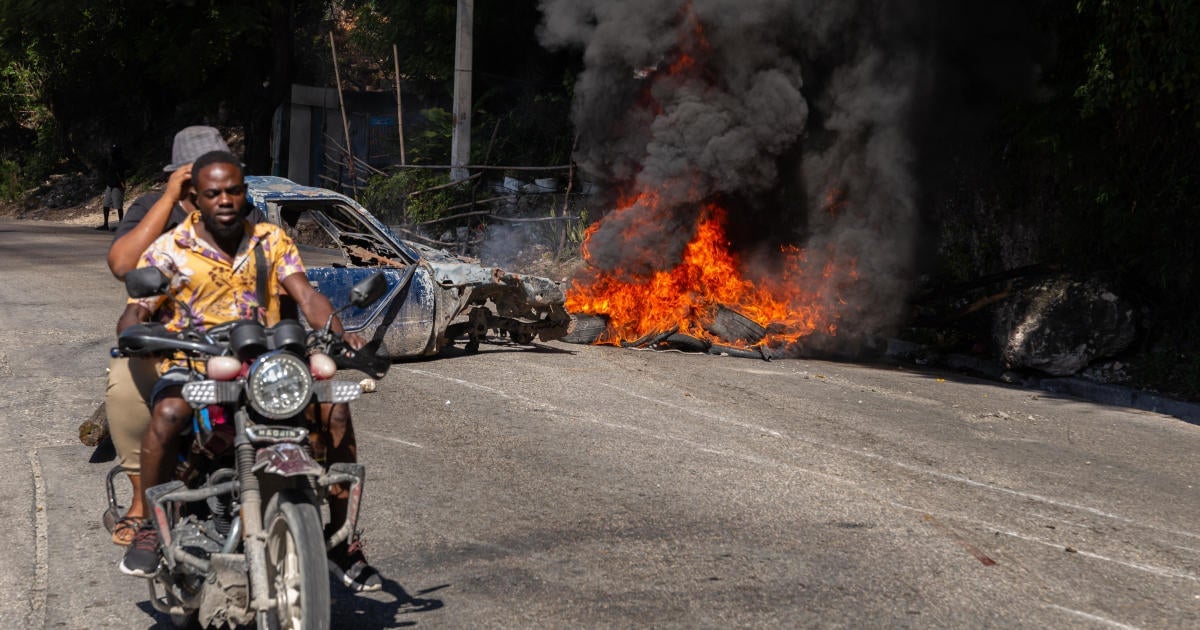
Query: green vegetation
x,y
390,198
10,180
1118,148
75,78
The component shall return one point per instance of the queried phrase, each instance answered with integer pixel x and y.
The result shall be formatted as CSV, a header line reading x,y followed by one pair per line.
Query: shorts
x,y
174,377
126,396
114,197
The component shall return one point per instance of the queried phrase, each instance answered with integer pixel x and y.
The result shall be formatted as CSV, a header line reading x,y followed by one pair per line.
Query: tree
x,y
135,70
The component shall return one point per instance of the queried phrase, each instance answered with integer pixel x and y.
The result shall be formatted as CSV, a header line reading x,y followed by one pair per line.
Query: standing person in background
x,y
114,184
130,380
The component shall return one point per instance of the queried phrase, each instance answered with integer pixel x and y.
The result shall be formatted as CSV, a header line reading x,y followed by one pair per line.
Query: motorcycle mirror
x,y
146,282
368,290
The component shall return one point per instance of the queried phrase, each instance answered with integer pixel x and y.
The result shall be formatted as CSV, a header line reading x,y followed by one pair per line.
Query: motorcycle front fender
x,y
286,460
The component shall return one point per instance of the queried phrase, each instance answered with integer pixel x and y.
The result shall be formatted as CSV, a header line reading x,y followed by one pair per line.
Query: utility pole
x,y
460,143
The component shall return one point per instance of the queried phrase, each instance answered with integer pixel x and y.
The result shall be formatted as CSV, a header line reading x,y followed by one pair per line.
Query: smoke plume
x,y
801,115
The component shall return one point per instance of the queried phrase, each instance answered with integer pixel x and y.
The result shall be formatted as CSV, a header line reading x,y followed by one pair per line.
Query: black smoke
x,y
813,122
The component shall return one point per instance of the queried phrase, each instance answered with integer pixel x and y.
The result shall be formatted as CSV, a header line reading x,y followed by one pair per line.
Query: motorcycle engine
x,y
190,536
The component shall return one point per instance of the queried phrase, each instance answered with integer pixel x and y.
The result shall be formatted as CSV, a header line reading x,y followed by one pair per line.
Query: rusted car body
x,y
433,297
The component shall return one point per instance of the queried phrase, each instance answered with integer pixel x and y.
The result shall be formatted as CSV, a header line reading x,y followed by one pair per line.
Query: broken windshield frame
x,y
358,241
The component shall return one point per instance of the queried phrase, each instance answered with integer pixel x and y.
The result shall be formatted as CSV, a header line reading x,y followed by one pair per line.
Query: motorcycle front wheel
x,y
296,567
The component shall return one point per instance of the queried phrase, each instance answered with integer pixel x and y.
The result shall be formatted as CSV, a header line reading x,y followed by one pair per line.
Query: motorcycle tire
x,y
297,570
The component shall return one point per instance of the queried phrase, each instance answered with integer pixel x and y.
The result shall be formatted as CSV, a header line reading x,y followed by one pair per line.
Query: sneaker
x,y
348,564
142,557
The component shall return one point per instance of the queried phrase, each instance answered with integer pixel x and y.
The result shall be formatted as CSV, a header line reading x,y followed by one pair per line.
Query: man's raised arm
x,y
124,253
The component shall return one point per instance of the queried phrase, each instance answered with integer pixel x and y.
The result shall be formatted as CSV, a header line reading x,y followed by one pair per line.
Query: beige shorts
x,y
130,382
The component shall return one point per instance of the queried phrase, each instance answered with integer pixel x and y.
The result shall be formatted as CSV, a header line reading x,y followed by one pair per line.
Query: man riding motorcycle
x,y
212,262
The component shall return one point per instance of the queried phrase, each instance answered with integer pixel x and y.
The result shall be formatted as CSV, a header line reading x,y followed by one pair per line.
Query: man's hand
x,y
134,314
176,182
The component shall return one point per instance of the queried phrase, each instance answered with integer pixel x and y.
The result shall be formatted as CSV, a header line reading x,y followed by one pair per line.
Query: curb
x,y
1102,393
1107,394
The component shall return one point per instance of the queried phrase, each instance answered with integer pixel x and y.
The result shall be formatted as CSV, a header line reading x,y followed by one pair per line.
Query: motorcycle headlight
x,y
279,385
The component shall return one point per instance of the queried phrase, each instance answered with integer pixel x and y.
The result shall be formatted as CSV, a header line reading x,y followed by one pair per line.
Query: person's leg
x,y
159,446
130,382
333,441
106,203
159,450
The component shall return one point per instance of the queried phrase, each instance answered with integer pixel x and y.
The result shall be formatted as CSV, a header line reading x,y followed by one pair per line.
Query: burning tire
x,y
733,327
585,329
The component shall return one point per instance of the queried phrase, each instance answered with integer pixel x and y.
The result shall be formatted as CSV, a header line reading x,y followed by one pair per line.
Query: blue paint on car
x,y
432,298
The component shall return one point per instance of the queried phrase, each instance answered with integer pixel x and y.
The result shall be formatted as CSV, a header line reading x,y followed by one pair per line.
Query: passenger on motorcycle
x,y
210,261
130,379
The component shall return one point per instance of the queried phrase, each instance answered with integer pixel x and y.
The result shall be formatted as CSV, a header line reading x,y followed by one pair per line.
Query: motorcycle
x,y
240,524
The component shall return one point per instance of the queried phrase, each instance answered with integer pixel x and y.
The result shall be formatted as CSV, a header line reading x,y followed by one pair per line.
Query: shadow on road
x,y
351,610
382,609
104,452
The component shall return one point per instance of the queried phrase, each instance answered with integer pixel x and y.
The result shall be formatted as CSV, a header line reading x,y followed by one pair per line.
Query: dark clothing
x,y
114,177
138,209
114,171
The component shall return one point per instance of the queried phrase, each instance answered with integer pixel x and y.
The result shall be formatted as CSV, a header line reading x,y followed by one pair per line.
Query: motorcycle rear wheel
x,y
296,565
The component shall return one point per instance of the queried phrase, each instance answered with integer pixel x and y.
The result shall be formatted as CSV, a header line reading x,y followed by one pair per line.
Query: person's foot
x,y
348,564
142,557
102,227
125,530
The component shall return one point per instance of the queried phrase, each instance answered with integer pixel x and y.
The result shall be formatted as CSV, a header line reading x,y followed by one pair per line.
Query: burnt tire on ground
x,y
686,343
733,327
585,329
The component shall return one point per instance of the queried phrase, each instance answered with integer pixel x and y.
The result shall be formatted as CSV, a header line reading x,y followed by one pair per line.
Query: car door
x,y
338,252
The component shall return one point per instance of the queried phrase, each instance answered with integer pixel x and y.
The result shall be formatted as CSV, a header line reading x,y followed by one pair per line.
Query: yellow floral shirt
x,y
215,288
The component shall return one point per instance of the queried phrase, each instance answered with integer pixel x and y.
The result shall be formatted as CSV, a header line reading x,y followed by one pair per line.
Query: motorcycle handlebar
x,y
144,341
154,339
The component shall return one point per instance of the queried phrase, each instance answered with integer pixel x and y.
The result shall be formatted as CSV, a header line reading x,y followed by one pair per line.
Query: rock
x,y
1061,324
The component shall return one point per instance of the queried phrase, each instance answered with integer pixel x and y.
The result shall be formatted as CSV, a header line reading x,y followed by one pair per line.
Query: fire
x,y
685,298
797,298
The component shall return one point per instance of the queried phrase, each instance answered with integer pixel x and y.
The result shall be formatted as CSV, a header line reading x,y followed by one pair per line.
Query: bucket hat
x,y
192,142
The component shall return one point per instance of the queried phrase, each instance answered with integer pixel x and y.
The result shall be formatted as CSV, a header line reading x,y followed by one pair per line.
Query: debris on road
x,y
93,430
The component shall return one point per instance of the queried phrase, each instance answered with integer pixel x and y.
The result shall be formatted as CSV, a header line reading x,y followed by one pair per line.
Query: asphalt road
x,y
569,486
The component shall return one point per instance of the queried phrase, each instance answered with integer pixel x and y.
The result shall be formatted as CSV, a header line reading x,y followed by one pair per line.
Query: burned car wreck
x,y
433,298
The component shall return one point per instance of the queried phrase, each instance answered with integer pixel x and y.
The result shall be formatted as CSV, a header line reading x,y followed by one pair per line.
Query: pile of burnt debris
x,y
732,334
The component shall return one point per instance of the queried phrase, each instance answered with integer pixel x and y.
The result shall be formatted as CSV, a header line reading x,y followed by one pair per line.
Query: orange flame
x,y
794,301
709,275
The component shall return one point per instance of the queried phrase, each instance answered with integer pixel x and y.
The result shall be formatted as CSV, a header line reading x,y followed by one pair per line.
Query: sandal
x,y
125,529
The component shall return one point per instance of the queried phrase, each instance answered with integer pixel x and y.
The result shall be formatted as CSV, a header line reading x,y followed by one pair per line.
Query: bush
x,y
10,180
388,196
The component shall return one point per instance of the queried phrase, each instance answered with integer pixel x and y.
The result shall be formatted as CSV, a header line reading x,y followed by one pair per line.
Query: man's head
x,y
219,193
193,142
